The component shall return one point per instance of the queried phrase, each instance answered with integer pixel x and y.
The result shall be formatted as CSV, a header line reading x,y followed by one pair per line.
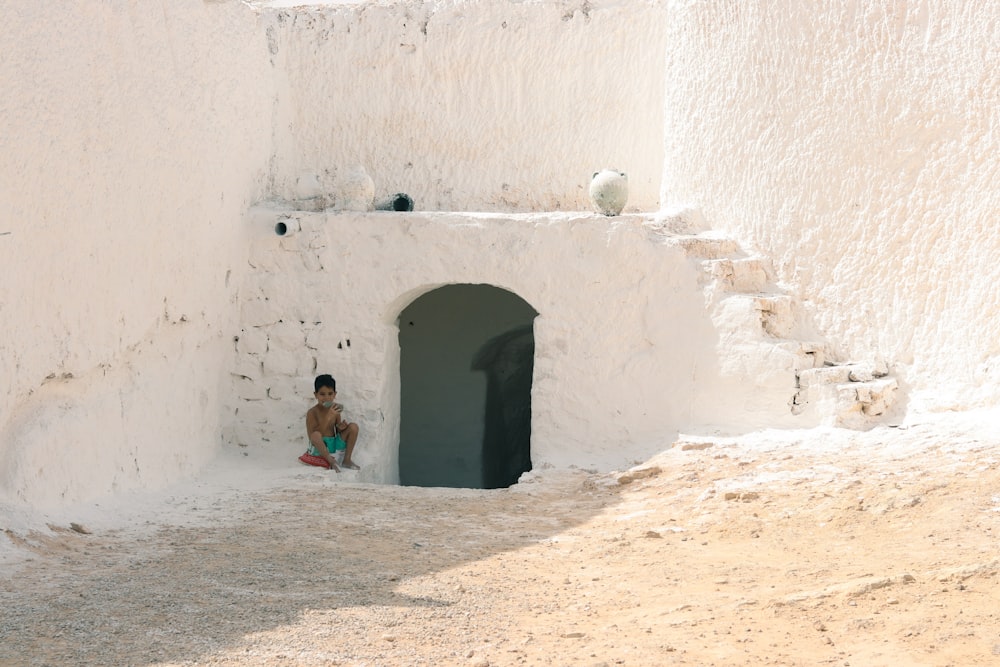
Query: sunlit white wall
x,y
856,144
134,136
481,105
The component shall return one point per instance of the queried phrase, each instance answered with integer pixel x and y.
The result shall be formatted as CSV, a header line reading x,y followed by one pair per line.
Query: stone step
x,y
875,396
807,354
773,312
842,373
704,247
738,275
851,404
858,402
847,395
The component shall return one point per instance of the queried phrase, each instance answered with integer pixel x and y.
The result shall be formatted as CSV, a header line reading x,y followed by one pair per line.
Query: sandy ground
x,y
776,548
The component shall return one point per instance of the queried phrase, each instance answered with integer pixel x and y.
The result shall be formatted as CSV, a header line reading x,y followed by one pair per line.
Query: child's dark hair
x,y
324,380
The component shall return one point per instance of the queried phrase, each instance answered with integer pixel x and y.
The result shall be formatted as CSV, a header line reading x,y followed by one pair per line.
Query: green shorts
x,y
333,445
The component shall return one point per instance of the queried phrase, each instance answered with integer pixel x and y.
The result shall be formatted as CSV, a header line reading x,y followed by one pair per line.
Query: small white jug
x,y
356,190
609,191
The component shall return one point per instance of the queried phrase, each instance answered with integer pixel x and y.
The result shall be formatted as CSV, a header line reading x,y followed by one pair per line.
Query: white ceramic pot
x,y
356,190
609,191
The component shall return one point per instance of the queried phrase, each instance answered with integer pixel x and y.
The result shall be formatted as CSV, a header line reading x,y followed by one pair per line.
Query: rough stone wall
x,y
482,105
129,153
621,340
855,143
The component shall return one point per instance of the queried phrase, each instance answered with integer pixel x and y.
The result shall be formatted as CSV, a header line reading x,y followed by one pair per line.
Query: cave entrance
x,y
466,356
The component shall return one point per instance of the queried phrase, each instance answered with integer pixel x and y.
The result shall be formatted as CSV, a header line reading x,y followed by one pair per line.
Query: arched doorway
x,y
465,366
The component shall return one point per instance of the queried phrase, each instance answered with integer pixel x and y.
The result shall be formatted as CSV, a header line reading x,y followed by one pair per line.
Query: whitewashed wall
x,y
134,135
856,144
852,142
623,341
481,105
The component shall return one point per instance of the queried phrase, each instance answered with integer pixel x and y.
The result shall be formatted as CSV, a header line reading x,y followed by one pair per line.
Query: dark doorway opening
x,y
465,364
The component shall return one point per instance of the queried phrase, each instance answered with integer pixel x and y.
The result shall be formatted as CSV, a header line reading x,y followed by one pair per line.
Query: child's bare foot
x,y
351,465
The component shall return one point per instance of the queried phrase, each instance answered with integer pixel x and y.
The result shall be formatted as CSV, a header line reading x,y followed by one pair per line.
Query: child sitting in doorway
x,y
326,428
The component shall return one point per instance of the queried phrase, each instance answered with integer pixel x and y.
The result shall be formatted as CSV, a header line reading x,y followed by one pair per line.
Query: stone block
x,y
805,356
875,408
847,393
287,335
262,256
253,340
884,388
814,353
253,413
249,390
749,275
316,337
776,314
307,310
862,372
738,275
811,377
705,247
311,260
280,361
259,312
248,366
245,434
277,391
278,287
288,258
738,316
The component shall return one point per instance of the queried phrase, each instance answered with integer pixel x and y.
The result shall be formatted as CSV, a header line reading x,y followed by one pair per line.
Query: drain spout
x,y
397,202
287,227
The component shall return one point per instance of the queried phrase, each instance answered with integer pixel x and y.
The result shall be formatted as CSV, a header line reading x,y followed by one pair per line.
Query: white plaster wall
x,y
626,349
856,144
481,105
135,134
852,142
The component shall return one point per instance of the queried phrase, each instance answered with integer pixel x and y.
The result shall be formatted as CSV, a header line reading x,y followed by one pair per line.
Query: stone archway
x,y
466,362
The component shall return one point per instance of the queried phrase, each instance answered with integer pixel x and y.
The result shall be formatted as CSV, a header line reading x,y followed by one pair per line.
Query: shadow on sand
x,y
256,561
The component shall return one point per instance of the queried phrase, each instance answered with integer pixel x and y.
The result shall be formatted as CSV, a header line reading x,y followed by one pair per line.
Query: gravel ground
x,y
818,547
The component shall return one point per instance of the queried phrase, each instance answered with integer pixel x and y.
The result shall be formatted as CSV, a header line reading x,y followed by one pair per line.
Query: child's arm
x,y
340,424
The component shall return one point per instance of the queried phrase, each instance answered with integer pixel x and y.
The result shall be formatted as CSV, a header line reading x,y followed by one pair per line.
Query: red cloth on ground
x,y
311,460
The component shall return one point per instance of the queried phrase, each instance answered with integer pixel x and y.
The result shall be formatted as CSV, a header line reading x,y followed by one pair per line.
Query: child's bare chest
x,y
328,423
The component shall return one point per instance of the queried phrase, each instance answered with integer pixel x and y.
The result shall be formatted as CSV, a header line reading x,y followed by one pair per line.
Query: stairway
x,y
854,394
758,329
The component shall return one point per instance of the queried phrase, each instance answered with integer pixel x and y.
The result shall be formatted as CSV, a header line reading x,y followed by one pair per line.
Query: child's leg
x,y
321,449
350,436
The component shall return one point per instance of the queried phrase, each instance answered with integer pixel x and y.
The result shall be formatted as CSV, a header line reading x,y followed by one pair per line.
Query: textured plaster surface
x,y
602,347
626,351
852,143
127,158
472,106
855,144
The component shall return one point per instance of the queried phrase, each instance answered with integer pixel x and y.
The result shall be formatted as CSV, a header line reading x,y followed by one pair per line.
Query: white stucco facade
x,y
471,106
327,300
147,152
127,157
854,143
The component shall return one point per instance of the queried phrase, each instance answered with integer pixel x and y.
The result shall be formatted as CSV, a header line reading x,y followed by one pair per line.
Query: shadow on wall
x,y
466,363
508,361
